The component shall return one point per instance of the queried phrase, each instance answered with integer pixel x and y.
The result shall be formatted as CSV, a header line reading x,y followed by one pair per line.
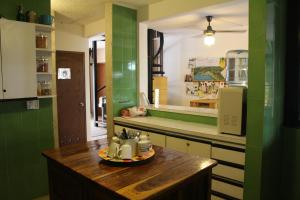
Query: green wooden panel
x,y
184,117
24,134
124,58
265,99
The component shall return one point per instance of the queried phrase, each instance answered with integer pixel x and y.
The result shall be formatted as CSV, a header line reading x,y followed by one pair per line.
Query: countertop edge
x,y
236,140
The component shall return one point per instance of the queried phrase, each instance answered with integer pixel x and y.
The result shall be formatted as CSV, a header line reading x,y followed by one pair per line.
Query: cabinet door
x,y
176,144
157,139
18,59
199,149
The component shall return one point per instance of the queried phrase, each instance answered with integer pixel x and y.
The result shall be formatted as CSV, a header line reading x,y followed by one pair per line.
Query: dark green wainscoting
x,y
23,135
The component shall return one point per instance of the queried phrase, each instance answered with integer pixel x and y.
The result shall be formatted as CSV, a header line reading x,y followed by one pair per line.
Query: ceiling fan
x,y
209,33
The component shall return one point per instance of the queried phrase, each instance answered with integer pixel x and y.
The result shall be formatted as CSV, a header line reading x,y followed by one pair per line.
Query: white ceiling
x,y
229,16
86,11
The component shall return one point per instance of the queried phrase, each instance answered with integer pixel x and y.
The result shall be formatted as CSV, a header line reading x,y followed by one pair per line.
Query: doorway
x,y
97,86
71,103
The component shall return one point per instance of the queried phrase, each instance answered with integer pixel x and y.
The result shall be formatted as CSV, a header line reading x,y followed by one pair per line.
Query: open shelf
x,y
44,73
43,50
45,96
43,28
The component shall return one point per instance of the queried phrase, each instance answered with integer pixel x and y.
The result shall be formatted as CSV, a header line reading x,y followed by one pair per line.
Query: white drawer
x,y
213,197
157,139
228,189
228,155
229,172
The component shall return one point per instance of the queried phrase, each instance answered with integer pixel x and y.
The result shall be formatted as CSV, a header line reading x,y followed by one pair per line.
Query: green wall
x,y
124,58
23,135
8,8
265,99
184,117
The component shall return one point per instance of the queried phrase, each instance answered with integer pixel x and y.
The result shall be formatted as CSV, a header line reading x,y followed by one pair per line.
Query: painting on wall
x,y
207,76
204,89
208,69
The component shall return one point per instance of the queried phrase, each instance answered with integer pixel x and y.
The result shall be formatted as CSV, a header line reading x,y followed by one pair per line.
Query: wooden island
x,y
76,172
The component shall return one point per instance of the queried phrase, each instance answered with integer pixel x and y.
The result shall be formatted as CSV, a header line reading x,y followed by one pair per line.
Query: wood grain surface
x,y
169,170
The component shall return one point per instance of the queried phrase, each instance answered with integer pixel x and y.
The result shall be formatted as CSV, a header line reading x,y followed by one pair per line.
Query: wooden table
x,y
77,173
204,103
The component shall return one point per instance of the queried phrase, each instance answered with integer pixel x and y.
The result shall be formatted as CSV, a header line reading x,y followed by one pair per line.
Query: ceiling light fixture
x,y
209,33
209,40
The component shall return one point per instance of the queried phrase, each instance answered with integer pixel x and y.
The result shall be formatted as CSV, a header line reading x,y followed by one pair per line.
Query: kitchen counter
x,y
76,172
180,128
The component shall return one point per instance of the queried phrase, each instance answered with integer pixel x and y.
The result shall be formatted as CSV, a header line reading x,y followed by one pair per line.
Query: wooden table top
x,y
167,169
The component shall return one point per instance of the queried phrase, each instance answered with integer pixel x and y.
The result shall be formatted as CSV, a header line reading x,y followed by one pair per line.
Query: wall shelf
x,y
43,50
43,28
46,96
44,73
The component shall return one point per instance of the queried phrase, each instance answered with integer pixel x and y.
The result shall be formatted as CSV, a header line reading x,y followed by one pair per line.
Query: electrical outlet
x,y
33,105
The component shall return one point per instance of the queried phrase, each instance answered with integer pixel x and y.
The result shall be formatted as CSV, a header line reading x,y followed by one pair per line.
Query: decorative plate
x,y
136,159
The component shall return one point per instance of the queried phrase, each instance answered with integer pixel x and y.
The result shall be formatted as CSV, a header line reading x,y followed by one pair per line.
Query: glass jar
x,y
39,89
45,88
42,65
41,41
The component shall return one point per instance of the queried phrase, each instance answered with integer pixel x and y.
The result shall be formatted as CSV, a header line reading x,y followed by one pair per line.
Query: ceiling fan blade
x,y
197,35
231,31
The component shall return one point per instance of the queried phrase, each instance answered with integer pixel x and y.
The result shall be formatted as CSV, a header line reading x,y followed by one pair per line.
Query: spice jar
x,y
42,65
39,89
46,88
41,41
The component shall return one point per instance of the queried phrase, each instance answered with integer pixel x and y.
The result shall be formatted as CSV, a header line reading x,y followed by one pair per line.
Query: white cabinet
x,y
187,146
199,149
176,144
17,59
157,139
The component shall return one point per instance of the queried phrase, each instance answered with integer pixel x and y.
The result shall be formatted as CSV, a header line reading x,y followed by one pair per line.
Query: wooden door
x,y
71,98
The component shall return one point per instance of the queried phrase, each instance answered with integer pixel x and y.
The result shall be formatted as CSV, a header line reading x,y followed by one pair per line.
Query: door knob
x,y
81,104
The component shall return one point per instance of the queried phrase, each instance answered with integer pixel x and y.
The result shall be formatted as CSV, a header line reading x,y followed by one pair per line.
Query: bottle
x,y
21,16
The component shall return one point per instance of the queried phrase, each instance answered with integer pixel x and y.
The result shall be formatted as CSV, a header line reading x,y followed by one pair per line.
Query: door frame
x,y
84,91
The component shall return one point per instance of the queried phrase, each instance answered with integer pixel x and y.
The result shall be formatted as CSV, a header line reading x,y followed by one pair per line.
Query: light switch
x,y
33,105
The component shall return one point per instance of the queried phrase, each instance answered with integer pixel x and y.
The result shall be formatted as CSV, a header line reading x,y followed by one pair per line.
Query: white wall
x,y
94,28
70,37
143,59
177,51
172,66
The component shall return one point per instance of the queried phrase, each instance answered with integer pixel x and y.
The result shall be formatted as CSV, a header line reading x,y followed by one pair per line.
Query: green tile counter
x,y
180,128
